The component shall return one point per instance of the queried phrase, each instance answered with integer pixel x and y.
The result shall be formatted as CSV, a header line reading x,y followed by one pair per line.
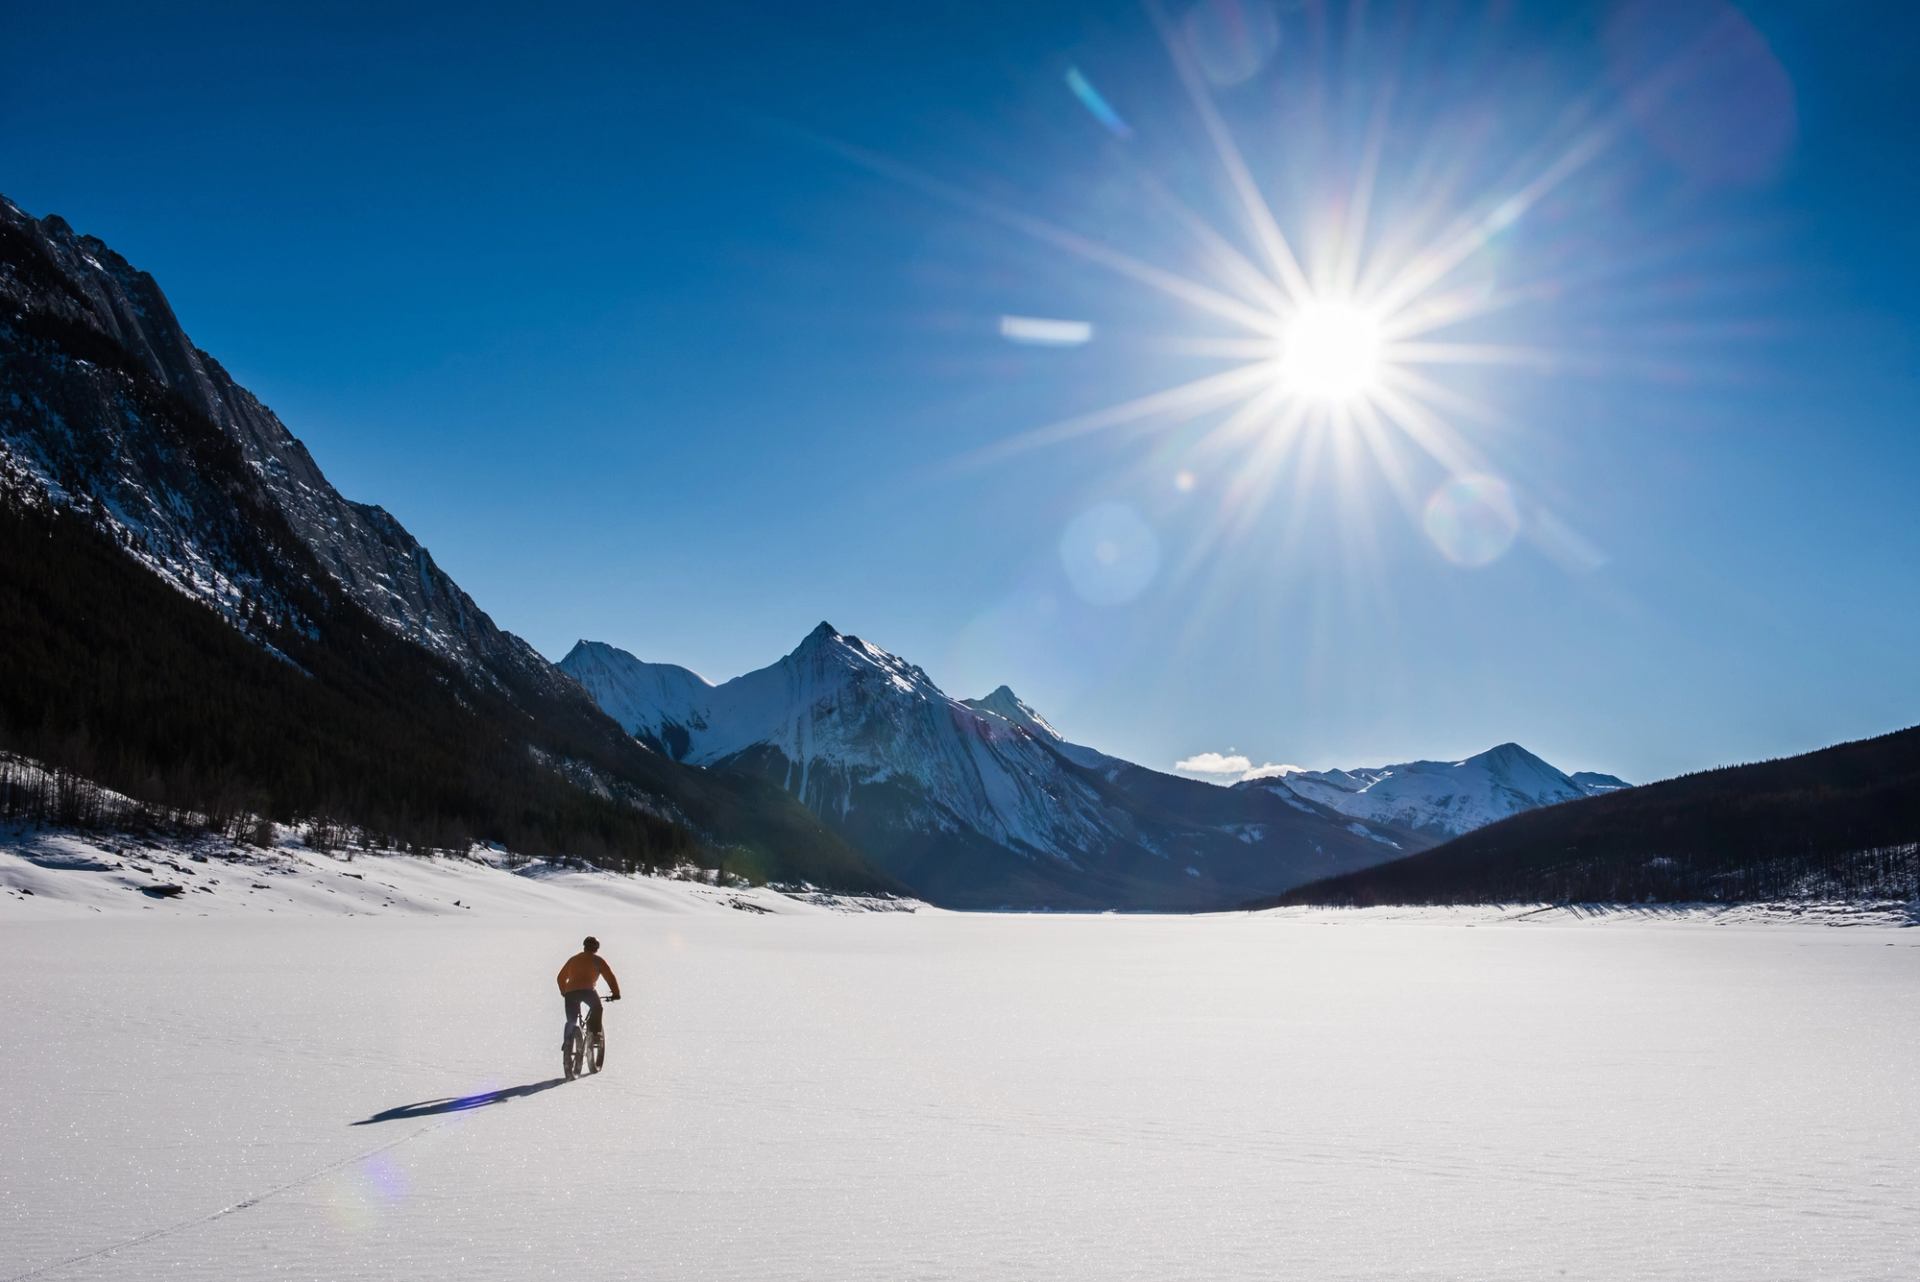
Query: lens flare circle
x,y
1332,351
1110,554
1231,39
1473,520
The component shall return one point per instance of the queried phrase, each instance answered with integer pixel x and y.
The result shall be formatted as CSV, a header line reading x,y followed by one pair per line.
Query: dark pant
x,y
588,997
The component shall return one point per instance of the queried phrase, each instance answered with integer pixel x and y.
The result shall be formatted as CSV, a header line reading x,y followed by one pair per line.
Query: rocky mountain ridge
x,y
926,782
64,440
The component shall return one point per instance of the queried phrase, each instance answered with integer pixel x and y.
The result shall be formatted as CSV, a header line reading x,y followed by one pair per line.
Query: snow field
x,y
884,1096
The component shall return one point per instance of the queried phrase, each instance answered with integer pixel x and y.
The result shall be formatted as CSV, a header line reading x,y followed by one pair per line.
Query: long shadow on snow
x,y
430,1107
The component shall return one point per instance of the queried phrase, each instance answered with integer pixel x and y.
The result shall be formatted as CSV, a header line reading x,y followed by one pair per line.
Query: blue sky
x,y
684,330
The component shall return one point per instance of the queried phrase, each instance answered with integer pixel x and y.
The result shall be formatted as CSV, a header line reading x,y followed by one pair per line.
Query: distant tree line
x,y
1843,822
66,798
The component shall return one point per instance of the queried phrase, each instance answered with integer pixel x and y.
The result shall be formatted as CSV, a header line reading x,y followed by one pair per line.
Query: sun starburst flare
x,y
1333,339
1339,336
1361,300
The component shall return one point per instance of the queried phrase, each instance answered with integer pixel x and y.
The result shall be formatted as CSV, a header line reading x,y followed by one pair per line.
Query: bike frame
x,y
586,1049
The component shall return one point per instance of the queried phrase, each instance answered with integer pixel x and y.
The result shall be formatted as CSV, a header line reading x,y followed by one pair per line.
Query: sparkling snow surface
x,y
942,1096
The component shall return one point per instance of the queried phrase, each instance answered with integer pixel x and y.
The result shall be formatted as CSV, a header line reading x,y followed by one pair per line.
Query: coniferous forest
x,y
1838,823
108,672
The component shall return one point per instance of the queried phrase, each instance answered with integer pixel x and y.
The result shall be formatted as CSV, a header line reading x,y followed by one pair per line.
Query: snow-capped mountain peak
x,y
826,650
1444,798
1004,703
839,716
871,744
660,704
978,798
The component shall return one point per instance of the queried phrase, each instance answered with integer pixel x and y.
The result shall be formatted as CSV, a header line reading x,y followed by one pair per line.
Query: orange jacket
x,y
584,970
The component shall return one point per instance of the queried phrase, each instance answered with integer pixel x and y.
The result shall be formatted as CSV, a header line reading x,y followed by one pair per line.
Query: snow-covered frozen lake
x,y
934,1096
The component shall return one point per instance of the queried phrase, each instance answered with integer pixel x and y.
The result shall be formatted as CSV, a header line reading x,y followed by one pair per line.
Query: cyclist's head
x,y
591,944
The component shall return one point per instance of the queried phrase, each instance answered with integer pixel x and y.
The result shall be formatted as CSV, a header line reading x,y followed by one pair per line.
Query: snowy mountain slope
x,y
1009,707
1442,798
661,704
841,713
976,802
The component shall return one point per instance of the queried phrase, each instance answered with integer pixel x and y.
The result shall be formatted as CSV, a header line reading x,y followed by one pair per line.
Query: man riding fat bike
x,y
578,978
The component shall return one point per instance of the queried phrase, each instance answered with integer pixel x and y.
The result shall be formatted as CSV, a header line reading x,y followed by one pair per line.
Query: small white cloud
x,y
1232,763
1214,763
1273,770
1040,331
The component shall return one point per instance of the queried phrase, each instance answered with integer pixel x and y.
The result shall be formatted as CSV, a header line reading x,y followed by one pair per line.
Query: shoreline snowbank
x,y
50,872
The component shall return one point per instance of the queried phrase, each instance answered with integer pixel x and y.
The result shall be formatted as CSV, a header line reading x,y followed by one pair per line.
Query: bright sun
x,y
1338,357
1331,352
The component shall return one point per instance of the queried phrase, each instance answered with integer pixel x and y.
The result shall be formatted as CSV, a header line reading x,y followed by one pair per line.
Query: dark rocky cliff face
x,y
92,433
